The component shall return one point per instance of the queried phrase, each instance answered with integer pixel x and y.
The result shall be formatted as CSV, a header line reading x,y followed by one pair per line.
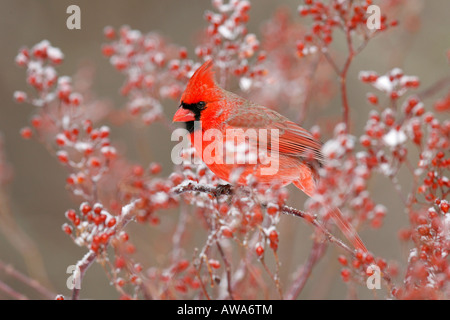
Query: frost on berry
x,y
153,70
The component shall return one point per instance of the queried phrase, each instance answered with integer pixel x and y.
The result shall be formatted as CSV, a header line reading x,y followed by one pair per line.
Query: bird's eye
x,y
201,104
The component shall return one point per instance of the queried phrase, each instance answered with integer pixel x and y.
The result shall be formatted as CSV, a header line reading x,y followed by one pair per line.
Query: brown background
x,y
37,193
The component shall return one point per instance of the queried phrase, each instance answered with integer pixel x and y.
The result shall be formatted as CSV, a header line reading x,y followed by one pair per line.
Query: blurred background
x,y
37,195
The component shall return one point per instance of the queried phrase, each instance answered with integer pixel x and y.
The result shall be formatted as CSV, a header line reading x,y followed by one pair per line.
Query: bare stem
x,y
317,251
9,270
434,88
11,292
227,269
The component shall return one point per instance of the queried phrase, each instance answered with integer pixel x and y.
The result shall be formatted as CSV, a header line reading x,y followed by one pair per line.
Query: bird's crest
x,y
201,86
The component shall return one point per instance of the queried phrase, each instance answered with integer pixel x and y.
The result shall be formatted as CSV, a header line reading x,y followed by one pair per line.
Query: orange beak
x,y
183,115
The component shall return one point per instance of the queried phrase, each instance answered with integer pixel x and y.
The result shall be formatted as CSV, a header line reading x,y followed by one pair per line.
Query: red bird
x,y
298,153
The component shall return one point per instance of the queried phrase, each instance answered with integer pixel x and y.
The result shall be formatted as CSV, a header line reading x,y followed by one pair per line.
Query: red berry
x,y
111,222
227,233
130,248
71,215
62,156
98,208
120,262
120,282
272,209
183,53
85,208
214,264
60,139
273,236
67,229
95,247
26,133
124,236
369,258
342,260
36,121
20,96
109,32
138,171
373,99
423,230
155,168
259,250
182,265
345,274
356,264
444,206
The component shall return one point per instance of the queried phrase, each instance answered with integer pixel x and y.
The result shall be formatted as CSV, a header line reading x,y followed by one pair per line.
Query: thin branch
x,y
227,269
11,292
434,88
19,239
308,90
313,220
275,279
179,232
9,270
317,251
84,264
228,190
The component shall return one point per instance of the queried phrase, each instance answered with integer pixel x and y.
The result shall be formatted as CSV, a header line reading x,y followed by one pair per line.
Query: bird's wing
x,y
293,140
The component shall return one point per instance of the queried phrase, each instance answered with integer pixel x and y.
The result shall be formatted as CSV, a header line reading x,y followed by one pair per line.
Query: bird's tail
x,y
347,229
308,187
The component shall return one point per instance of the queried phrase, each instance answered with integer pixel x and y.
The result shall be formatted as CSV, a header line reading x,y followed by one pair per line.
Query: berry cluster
x,y
348,16
62,120
388,133
154,70
289,81
235,51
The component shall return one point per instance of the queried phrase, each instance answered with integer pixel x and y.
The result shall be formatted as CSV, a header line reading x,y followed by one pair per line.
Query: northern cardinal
x,y
299,154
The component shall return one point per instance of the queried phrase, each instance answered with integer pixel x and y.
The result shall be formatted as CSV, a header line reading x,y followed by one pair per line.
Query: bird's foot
x,y
224,189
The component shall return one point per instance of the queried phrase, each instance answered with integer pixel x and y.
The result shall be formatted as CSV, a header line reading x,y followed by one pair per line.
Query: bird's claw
x,y
223,189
